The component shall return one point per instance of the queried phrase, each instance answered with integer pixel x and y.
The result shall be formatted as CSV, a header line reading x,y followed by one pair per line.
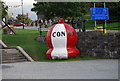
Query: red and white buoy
x,y
62,39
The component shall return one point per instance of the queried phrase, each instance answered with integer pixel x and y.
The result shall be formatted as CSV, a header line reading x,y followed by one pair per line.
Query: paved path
x,y
32,28
92,69
46,29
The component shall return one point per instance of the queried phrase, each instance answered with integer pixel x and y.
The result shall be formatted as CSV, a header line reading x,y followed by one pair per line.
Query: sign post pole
x,y
95,20
100,14
105,20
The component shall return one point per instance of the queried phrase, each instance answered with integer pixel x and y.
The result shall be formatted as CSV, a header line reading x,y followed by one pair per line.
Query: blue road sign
x,y
99,14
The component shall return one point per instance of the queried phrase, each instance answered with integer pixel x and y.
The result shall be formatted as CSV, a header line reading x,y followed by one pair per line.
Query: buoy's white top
x,y
59,42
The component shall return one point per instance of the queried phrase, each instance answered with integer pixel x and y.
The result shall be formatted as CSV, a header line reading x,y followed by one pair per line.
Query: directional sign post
x,y
99,14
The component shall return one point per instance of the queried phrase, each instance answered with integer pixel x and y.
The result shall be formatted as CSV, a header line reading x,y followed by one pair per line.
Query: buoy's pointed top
x,y
60,20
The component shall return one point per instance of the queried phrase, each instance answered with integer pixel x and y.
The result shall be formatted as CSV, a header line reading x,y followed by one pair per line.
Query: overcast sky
x,y
27,5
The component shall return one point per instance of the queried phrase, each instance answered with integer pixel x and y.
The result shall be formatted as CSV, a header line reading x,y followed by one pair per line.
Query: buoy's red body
x,y
62,39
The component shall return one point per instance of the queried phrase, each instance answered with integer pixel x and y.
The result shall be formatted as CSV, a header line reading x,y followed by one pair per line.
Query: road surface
x,y
87,69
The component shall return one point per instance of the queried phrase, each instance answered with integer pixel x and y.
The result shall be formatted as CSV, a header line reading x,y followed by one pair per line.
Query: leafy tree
x,y
3,9
61,9
114,12
23,18
74,9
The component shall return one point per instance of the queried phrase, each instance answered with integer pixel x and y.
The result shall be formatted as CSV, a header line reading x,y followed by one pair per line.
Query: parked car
x,y
19,24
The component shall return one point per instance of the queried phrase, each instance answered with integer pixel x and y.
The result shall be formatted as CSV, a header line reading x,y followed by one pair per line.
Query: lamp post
x,y
22,12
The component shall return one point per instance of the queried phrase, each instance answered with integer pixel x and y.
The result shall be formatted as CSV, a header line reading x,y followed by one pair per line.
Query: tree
x,y
23,18
3,9
114,12
61,9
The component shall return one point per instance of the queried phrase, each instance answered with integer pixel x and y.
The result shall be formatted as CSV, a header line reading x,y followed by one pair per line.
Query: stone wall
x,y
97,44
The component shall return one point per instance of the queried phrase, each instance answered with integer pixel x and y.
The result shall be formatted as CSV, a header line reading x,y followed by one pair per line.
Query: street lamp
x,y
22,12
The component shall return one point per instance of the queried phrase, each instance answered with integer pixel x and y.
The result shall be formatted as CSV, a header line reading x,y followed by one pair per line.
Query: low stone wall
x,y
97,44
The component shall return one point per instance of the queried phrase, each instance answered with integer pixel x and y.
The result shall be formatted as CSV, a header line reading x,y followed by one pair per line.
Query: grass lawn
x,y
115,25
90,25
110,26
26,39
0,34
73,59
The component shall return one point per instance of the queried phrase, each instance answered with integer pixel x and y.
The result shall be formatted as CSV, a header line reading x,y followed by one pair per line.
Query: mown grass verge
x,y
26,39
